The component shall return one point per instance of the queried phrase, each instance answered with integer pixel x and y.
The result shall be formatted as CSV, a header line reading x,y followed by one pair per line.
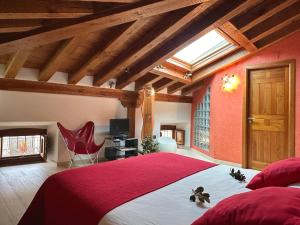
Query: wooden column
x,y
131,116
131,104
148,96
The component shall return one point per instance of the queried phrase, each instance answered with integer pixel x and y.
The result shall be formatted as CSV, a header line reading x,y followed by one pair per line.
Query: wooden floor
x,y
18,185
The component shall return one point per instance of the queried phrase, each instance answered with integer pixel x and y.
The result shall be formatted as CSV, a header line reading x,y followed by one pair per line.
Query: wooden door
x,y
268,116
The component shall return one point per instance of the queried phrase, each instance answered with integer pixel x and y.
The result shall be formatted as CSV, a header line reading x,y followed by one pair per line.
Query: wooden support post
x,y
131,104
131,116
148,96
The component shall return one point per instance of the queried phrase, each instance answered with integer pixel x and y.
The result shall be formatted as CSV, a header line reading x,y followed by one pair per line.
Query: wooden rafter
x,y
278,35
148,79
15,63
237,36
171,74
147,44
173,98
284,15
21,25
15,29
279,26
26,9
54,88
200,27
162,84
267,15
110,1
90,23
61,54
175,87
111,46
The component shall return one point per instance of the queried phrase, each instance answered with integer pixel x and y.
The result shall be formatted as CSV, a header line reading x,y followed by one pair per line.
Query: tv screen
x,y
119,127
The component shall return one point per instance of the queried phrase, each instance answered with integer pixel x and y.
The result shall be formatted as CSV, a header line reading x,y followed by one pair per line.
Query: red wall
x,y
226,108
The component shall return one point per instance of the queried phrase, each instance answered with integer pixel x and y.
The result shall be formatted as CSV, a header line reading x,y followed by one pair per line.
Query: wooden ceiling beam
x,y
284,15
278,35
277,27
27,9
55,88
15,29
267,15
172,98
87,24
21,25
175,87
237,36
15,63
171,74
162,84
148,79
148,43
197,29
49,15
114,44
107,1
62,53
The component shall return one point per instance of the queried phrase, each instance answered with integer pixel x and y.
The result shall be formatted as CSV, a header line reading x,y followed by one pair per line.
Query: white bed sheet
x,y
170,205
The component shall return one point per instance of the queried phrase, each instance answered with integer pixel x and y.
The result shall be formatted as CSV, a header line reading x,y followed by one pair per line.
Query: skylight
x,y
201,48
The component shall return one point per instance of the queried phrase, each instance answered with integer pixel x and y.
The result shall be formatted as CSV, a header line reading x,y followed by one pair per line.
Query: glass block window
x,y
202,122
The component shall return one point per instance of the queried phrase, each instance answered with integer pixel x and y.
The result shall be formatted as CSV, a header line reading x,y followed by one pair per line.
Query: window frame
x,y
24,158
208,58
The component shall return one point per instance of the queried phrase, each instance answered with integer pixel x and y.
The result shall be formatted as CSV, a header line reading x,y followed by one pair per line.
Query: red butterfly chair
x,y
81,141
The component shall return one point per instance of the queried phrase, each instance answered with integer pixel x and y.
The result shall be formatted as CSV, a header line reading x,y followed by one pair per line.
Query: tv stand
x,y
122,149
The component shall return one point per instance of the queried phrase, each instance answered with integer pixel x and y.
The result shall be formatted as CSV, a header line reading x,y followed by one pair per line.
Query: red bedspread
x,y
83,196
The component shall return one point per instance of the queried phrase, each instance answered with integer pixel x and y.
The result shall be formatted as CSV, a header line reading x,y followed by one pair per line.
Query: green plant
x,y
149,145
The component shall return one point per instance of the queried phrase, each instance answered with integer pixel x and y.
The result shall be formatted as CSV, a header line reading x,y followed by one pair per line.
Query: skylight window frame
x,y
209,56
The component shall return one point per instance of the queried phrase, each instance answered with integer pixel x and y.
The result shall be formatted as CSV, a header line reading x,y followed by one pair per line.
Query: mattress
x,y
170,205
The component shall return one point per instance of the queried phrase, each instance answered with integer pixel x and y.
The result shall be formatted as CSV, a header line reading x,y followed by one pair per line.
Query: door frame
x,y
291,103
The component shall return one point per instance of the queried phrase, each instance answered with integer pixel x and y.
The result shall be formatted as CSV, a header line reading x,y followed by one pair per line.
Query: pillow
x,y
266,206
281,173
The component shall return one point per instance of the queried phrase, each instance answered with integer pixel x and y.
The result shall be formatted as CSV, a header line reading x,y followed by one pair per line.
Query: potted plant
x,y
149,145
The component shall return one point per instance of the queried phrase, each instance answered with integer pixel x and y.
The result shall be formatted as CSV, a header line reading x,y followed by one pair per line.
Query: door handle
x,y
251,119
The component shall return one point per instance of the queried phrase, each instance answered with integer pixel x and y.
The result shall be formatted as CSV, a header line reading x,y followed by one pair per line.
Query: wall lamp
x,y
230,82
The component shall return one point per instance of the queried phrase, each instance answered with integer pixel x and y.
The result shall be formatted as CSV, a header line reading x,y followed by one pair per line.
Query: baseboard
x,y
218,161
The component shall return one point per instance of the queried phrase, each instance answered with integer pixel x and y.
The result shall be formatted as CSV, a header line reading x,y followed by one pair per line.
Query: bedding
x,y
281,173
265,206
170,205
85,195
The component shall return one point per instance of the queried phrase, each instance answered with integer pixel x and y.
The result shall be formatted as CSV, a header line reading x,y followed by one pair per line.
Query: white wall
x,y
171,113
178,114
35,109
71,111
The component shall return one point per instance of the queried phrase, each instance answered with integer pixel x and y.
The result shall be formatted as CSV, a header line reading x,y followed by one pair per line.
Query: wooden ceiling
x,y
130,40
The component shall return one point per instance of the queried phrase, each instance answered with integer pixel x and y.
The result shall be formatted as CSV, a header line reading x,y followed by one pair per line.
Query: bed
x,y
106,194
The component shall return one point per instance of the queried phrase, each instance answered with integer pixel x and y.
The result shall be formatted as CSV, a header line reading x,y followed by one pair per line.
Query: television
x,y
119,127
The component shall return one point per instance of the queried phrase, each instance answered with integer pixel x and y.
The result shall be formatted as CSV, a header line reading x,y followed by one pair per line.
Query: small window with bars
x,y
202,122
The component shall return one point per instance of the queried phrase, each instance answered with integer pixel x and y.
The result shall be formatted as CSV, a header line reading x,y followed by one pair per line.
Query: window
x,y
167,133
202,122
207,48
22,144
